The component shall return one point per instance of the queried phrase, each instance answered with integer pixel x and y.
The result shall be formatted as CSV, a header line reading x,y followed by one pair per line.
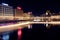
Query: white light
x,y
5,4
29,26
47,25
46,13
37,20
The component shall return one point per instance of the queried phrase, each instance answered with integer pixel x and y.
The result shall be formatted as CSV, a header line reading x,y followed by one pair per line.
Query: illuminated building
x,y
20,15
1,10
18,12
5,11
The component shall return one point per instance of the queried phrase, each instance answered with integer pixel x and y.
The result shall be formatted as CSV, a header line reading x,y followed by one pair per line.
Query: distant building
x,y
1,10
18,12
6,12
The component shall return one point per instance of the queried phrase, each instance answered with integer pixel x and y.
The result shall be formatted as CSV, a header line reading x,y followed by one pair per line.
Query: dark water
x,y
38,32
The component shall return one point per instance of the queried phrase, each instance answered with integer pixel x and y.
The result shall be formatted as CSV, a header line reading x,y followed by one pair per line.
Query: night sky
x,y
36,6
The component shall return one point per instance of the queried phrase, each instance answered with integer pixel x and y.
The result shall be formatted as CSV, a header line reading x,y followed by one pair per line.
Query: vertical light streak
x,y
19,34
29,26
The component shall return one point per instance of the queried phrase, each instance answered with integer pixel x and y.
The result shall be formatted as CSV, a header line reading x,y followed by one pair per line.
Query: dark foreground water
x,y
38,32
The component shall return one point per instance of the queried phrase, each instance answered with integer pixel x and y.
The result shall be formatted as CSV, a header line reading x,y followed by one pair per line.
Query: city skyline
x,y
35,6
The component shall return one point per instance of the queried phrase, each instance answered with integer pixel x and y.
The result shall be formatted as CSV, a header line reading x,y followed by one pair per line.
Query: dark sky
x,y
37,6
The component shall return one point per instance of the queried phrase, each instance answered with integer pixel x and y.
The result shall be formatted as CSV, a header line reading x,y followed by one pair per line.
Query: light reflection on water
x,y
6,35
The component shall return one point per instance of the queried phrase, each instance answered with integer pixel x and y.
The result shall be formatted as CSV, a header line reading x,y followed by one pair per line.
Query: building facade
x,y
6,12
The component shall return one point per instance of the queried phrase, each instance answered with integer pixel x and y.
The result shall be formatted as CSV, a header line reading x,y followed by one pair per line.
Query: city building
x,y
20,15
6,11
18,12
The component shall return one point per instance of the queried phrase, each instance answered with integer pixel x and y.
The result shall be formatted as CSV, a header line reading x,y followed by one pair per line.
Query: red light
x,y
19,8
19,32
